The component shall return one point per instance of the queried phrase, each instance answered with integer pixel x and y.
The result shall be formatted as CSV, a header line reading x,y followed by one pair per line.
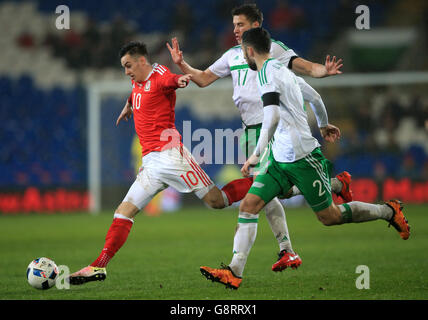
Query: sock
x,y
295,191
276,217
115,238
243,241
237,189
357,211
336,185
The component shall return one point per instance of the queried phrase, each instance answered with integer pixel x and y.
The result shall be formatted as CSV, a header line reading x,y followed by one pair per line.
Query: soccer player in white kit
x,y
247,98
294,159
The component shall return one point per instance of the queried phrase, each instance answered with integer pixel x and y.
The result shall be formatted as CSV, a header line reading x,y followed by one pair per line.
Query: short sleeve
x,y
282,53
221,67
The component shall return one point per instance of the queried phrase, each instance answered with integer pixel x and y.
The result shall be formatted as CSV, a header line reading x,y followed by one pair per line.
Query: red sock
x,y
237,189
115,238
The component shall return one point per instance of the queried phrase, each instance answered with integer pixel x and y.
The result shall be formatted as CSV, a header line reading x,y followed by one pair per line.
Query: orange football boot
x,y
223,275
398,220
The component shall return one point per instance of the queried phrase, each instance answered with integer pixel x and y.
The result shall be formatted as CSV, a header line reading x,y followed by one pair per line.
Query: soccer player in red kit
x,y
166,162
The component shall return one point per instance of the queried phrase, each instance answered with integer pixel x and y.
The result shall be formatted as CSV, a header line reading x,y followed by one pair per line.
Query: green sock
x,y
346,211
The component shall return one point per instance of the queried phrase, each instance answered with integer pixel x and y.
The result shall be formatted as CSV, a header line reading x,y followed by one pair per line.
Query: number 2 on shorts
x,y
320,190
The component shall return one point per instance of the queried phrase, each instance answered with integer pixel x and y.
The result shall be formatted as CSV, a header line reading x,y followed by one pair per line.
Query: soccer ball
x,y
42,273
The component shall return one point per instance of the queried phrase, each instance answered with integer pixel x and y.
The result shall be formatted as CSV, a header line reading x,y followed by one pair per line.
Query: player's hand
x,y
251,162
332,66
125,114
330,133
183,81
176,54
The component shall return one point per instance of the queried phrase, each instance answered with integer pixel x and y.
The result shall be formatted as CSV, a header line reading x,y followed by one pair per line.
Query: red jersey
x,y
153,104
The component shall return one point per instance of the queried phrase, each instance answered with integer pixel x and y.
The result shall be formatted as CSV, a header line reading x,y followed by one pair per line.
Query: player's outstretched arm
x,y
315,101
125,114
201,78
328,131
316,70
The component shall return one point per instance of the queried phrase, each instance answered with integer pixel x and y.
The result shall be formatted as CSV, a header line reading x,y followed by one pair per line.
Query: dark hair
x,y
134,48
249,10
258,38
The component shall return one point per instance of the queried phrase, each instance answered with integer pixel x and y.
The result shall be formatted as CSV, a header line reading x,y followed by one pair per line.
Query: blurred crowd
x,y
95,47
203,37
308,28
384,134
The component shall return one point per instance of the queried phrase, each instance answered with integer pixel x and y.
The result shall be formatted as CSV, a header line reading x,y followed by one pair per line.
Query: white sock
x,y
243,241
336,185
295,191
357,211
276,217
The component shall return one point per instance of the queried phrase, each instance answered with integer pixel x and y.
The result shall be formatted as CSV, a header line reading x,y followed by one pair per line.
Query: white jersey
x,y
293,139
245,93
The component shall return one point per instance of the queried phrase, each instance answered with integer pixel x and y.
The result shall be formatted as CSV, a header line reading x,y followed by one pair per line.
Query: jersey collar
x,y
154,65
267,61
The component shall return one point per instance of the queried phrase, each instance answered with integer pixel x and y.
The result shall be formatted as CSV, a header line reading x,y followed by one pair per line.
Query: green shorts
x,y
248,142
310,174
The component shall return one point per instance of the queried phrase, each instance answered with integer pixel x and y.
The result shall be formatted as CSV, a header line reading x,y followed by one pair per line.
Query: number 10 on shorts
x,y
190,179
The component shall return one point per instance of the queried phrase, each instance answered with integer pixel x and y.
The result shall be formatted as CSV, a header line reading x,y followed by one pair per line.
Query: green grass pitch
x,y
161,259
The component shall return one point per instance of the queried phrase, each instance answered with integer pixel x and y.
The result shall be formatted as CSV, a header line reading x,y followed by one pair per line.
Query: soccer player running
x,y
166,162
295,158
247,99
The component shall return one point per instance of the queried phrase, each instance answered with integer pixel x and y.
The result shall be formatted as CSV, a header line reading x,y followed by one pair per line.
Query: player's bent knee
x,y
330,216
251,204
215,204
326,220
214,199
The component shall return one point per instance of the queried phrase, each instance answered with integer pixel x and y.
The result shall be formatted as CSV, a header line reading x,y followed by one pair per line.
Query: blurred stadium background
x,y
380,103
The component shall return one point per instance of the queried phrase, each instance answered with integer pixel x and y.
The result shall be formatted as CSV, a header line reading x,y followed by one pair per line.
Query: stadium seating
x,y
43,140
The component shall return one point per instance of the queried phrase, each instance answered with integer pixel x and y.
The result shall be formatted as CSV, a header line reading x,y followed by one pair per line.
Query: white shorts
x,y
173,167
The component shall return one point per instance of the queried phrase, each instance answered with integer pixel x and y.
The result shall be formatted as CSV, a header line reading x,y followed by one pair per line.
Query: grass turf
x,y
161,259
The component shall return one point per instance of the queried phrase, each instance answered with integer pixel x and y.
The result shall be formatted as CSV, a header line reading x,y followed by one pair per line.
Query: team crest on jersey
x,y
147,86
